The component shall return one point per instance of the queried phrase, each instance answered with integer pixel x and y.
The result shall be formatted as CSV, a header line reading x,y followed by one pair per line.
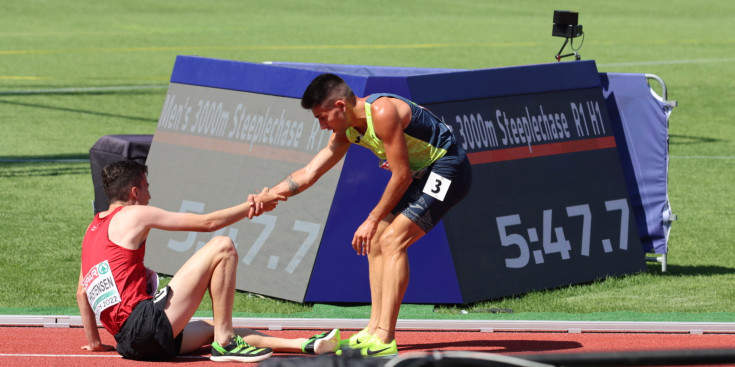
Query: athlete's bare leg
x,y
254,337
197,334
213,267
375,266
201,332
394,243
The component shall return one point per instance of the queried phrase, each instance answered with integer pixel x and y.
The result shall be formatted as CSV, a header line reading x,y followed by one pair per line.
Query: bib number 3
x,y
437,186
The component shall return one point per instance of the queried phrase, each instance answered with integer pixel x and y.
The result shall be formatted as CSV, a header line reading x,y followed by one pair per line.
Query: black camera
x,y
566,24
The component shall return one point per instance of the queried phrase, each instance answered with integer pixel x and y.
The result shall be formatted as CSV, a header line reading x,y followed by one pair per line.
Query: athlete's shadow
x,y
474,345
203,353
197,356
494,346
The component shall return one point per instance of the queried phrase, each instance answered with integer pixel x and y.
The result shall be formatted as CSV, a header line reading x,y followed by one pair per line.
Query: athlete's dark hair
x,y
119,177
325,88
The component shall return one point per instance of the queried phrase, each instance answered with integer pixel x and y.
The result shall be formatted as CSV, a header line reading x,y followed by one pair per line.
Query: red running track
x,y
38,346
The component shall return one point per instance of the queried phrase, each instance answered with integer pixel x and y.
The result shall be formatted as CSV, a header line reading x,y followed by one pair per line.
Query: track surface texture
x,y
33,345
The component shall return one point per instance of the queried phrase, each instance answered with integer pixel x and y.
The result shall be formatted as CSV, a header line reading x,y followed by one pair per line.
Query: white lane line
x,y
40,160
408,324
701,157
83,90
60,355
667,62
83,355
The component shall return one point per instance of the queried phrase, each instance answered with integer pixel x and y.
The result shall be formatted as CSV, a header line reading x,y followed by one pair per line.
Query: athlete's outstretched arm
x,y
322,162
134,223
160,219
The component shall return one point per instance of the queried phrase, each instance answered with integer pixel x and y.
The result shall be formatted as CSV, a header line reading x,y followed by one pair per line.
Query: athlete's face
x,y
332,117
143,196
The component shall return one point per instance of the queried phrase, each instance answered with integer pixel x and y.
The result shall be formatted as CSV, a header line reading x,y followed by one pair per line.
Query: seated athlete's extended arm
x,y
147,217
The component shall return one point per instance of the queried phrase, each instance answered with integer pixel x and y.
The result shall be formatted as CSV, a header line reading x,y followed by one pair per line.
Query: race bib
x,y
101,288
437,186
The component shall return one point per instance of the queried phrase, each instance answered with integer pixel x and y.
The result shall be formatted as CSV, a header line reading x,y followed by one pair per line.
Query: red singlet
x,y
114,277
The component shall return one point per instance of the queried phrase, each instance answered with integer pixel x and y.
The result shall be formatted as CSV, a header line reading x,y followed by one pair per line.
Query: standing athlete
x,y
429,174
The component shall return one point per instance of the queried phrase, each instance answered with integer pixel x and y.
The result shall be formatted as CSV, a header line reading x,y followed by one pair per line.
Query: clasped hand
x,y
264,201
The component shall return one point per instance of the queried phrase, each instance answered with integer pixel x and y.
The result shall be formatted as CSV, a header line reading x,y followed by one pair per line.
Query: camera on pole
x,y
566,24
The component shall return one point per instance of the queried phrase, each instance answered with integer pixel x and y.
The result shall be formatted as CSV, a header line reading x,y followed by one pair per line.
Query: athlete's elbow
x,y
211,226
81,296
404,177
309,178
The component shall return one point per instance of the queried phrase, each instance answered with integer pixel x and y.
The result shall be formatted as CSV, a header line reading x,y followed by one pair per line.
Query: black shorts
x,y
450,176
147,333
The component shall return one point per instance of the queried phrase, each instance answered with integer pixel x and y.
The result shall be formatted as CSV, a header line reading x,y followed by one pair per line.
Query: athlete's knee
x,y
375,249
391,242
224,246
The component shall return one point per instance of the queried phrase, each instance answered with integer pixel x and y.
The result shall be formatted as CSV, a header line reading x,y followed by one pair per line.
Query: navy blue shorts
x,y
147,333
450,177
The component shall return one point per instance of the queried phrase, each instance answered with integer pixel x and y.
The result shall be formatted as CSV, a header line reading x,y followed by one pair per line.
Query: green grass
x,y
47,45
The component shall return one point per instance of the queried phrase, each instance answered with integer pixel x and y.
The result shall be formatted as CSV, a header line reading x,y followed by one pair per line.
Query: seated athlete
x,y
113,280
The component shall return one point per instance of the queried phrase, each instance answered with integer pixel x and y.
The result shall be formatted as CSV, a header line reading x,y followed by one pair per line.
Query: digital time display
x,y
548,204
553,241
